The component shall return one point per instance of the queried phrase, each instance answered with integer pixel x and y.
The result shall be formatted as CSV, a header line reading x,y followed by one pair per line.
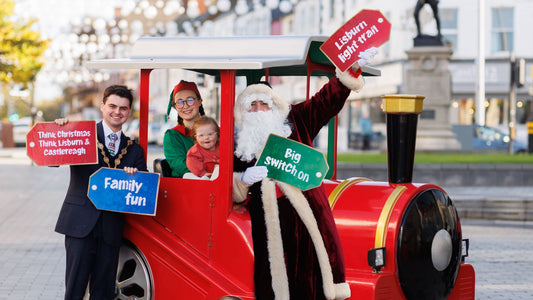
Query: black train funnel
x,y
402,117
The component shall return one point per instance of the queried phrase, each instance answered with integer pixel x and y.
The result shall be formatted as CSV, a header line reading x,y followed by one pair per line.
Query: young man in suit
x,y
93,237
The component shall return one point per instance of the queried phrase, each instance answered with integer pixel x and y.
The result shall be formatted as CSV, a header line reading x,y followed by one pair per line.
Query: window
x,y
502,37
332,10
449,25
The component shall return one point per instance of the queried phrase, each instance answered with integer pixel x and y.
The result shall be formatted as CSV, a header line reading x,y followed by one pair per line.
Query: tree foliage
x,y
21,48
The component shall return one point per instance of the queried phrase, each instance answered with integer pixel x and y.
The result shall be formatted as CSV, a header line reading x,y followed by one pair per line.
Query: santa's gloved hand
x,y
254,174
366,57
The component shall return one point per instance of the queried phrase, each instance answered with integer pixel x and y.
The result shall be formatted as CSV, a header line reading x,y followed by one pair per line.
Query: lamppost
x,y
201,14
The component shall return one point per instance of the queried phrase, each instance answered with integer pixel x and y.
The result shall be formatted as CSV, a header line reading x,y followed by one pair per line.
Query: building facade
x,y
505,33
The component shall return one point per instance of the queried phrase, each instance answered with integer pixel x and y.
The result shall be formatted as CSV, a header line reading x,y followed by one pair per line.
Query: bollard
x,y
402,118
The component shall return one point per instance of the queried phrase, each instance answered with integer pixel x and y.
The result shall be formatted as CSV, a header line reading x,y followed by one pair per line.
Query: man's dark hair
x,y
119,90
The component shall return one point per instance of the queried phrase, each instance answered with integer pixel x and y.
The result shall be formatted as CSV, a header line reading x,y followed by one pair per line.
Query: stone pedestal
x,y
428,75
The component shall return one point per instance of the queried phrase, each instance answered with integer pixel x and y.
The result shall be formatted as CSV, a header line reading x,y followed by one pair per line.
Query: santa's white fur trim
x,y
280,284
353,83
342,291
300,204
261,92
246,101
276,257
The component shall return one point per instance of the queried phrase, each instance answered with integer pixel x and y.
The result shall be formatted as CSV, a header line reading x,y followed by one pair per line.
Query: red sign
x,y
49,144
367,29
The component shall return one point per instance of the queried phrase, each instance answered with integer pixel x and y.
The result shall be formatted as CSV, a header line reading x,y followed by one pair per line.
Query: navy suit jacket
x,y
78,215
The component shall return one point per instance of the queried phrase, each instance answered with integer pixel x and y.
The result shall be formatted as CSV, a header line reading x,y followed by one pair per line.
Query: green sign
x,y
294,163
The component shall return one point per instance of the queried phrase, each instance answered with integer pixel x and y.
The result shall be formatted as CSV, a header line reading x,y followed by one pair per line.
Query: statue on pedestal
x,y
423,39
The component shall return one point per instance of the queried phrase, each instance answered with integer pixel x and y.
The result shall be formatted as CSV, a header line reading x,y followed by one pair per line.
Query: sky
x,y
54,17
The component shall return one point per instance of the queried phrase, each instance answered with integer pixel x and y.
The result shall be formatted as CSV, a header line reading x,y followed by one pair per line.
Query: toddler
x,y
202,158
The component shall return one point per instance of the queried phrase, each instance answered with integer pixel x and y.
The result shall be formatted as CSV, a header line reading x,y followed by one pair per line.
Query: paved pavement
x,y
502,256
32,254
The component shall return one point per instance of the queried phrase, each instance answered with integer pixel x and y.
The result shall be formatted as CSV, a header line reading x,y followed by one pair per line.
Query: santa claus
x,y
298,253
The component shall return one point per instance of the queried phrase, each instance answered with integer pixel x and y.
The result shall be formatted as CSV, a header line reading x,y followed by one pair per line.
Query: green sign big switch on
x,y
294,163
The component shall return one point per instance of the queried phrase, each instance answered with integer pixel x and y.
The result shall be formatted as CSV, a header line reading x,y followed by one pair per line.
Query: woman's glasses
x,y
180,102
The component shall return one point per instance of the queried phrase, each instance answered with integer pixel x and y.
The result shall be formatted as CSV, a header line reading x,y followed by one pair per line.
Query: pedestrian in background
x,y
366,127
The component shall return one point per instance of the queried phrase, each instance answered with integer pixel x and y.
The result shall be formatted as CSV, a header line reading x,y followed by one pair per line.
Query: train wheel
x,y
133,275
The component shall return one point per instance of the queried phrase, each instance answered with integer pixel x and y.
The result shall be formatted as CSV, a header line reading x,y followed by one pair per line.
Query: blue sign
x,y
115,190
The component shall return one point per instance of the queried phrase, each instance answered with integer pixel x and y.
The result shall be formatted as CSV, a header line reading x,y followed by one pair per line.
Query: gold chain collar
x,y
117,160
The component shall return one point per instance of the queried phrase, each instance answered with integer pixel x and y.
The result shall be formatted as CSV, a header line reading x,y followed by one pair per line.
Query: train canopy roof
x,y
281,55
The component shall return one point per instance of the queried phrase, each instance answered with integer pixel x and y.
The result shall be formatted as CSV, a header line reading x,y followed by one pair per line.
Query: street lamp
x,y
223,5
241,7
285,6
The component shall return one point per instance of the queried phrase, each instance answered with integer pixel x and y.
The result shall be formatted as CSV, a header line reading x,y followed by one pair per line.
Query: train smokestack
x,y
402,118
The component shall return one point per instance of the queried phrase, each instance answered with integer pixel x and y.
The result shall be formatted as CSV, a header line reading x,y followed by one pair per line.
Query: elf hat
x,y
181,86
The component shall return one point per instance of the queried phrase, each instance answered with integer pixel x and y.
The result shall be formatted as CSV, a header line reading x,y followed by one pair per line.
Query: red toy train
x,y
401,240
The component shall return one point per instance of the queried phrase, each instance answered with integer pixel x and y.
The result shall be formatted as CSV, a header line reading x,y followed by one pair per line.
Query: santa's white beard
x,y
256,127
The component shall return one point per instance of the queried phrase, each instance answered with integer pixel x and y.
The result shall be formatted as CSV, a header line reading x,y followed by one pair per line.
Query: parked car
x,y
132,130
376,141
161,134
20,128
485,138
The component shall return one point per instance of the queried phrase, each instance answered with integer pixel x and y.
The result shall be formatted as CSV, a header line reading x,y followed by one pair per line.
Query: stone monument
x,y
428,75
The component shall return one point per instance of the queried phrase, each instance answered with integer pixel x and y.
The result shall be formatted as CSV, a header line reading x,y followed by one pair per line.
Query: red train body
x,y
199,245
